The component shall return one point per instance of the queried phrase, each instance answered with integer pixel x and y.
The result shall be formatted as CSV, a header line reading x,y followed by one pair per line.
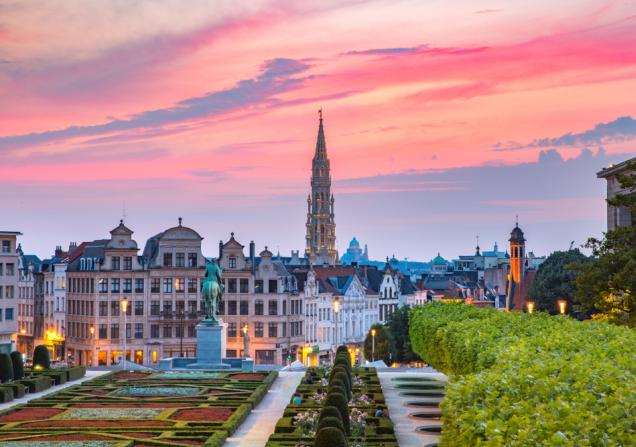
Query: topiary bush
x,y
343,349
339,401
331,421
340,369
18,365
41,357
329,411
342,377
330,437
338,388
6,368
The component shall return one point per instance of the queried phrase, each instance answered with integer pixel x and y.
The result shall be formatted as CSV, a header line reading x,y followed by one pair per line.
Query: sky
x,y
444,119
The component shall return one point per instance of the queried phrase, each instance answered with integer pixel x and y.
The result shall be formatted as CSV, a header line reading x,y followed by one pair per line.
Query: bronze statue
x,y
212,291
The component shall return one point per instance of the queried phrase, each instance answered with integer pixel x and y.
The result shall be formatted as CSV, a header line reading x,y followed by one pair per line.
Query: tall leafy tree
x,y
384,346
555,280
398,326
606,287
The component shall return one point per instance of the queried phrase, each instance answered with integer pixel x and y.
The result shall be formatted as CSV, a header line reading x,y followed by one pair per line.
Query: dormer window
x,y
167,259
115,263
232,262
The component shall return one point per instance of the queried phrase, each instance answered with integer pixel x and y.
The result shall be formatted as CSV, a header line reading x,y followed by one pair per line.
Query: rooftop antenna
x,y
517,220
320,113
123,211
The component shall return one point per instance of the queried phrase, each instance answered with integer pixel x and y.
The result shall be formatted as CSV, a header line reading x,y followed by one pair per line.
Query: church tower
x,y
320,245
517,253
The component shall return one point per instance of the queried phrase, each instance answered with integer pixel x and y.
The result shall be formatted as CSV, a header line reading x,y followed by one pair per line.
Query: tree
x,y
555,280
398,327
384,347
605,287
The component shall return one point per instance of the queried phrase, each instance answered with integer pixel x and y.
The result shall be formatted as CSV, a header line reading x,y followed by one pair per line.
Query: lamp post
x,y
124,309
373,331
246,342
562,305
182,318
336,311
92,331
530,306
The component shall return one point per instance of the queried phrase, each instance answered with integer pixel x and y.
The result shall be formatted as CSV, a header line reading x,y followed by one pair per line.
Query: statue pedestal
x,y
209,347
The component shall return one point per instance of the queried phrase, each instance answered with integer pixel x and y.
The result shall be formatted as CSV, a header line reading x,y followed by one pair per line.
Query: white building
x,y
8,290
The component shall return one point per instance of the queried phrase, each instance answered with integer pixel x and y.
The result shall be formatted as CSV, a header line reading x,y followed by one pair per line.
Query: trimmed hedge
x,y
18,365
529,379
6,368
41,357
330,437
6,393
35,384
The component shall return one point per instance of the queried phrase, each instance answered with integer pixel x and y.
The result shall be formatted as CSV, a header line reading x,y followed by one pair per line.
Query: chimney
x,y
220,250
58,251
252,253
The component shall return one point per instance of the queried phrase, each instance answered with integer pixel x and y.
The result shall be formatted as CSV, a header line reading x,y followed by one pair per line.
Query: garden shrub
x,y
342,349
6,368
331,421
41,357
340,402
330,437
6,394
340,370
18,389
342,377
35,384
519,379
329,411
340,389
18,365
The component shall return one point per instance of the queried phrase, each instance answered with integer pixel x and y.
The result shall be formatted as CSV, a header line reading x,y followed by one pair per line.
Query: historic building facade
x,y
261,298
617,216
320,240
8,290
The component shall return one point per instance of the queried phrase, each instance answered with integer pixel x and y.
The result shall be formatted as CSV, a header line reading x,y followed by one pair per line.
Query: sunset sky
x,y
444,119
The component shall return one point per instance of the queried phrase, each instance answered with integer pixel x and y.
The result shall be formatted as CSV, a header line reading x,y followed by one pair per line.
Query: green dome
x,y
438,260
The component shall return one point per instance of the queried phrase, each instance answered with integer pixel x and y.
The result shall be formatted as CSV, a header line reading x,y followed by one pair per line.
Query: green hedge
x,y
6,393
35,384
519,379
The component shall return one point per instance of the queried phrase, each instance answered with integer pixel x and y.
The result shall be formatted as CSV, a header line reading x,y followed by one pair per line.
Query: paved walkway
x,y
399,412
89,375
260,423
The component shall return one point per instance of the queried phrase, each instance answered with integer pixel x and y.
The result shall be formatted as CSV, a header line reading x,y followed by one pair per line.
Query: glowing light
x,y
336,305
562,305
245,329
124,306
373,332
530,306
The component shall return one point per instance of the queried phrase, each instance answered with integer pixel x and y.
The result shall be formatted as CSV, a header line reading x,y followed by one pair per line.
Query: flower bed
x,y
140,409
299,422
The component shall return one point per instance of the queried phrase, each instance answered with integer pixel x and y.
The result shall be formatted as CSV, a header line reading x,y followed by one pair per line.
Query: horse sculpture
x,y
212,291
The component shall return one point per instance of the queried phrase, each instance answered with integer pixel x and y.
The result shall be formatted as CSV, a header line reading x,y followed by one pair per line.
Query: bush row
x,y
529,379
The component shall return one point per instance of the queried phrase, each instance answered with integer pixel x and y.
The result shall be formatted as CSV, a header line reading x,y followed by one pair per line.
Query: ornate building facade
x,y
320,240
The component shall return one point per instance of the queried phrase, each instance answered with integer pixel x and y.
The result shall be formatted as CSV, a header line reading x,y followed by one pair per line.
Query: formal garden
x,y
140,409
16,380
519,379
335,407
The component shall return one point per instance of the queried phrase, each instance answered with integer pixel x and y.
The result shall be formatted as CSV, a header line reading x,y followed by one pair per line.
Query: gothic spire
x,y
321,146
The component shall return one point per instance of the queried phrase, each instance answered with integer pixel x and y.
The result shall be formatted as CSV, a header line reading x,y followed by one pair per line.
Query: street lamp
x,y
246,342
336,311
124,309
562,305
373,332
92,331
530,306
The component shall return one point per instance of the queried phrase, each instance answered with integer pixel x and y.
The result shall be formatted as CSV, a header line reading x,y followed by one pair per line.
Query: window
x,y
154,331
1,267
128,330
139,307
284,331
154,308
258,307
258,329
155,285
139,330
167,285
244,308
178,331
231,285
179,285
192,332
192,285
258,286
180,260
139,285
180,307
232,262
114,285
221,308
273,307
167,259
273,286
192,306
231,307
273,330
167,332
284,308
231,329
115,263
245,285
167,307
103,331
127,285
9,292
8,314
192,259
114,331
114,309
127,262
10,269
103,310
6,246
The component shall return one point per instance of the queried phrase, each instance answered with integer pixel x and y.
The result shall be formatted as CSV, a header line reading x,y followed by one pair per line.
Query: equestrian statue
x,y
212,291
